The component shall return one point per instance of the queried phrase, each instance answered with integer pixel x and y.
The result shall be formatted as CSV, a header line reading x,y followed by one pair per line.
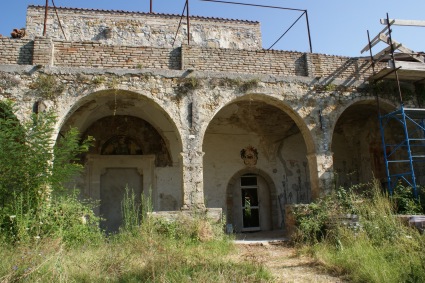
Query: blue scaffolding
x,y
404,149
403,156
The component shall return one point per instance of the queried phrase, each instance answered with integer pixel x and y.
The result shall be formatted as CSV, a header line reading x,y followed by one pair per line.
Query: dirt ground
x,y
284,263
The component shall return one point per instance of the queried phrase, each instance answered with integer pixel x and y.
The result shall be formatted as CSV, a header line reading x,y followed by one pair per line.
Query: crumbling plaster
x,y
314,112
305,116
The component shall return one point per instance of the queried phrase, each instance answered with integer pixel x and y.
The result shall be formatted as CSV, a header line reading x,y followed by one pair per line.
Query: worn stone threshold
x,y
262,237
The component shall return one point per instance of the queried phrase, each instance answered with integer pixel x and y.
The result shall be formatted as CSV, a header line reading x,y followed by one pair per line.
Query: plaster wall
x,y
170,193
163,89
288,170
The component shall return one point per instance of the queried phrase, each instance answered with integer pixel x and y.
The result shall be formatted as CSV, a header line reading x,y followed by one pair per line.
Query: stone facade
x,y
174,120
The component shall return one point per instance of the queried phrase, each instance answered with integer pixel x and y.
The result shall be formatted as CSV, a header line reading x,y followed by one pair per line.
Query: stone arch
x,y
356,143
385,105
299,121
149,154
123,102
262,125
233,216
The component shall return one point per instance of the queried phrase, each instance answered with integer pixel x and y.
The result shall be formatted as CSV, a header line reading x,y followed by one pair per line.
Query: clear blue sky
x,y
338,27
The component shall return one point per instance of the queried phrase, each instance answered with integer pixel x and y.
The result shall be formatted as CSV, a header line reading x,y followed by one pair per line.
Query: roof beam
x,y
375,40
403,49
412,23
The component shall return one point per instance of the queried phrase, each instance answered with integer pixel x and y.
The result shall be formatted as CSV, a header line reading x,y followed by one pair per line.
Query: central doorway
x,y
114,184
109,175
250,204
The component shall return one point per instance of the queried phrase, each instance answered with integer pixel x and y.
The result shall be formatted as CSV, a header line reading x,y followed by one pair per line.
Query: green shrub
x,y
404,200
314,221
47,86
382,250
33,174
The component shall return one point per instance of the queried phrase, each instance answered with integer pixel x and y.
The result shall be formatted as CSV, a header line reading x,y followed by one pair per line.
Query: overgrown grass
x,y
383,249
48,234
147,249
148,255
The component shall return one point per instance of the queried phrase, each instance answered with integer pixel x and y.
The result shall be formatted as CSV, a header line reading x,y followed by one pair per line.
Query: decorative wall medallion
x,y
249,155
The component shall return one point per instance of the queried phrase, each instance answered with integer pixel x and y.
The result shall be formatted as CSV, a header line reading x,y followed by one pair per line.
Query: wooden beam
x,y
412,23
403,49
375,40
411,66
378,56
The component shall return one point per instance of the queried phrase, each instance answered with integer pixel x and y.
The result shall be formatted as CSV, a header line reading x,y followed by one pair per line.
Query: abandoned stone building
x,y
219,123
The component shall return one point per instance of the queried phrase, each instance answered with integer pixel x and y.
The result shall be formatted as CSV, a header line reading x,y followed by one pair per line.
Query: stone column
x,y
193,179
321,173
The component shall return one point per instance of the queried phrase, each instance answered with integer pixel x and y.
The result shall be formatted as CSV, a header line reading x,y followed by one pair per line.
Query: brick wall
x,y
16,51
45,51
245,61
94,54
338,67
279,63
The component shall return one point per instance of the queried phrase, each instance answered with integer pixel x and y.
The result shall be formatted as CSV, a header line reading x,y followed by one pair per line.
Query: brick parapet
x,y
43,51
330,67
93,54
16,51
270,62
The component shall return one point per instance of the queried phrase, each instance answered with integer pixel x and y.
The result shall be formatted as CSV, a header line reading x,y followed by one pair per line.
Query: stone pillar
x,y
193,180
321,173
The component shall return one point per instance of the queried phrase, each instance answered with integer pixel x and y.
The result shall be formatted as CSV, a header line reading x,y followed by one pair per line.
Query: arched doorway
x,y
255,135
137,146
357,145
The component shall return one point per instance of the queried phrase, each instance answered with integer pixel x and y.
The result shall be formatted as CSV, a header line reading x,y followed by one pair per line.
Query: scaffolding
x,y
403,152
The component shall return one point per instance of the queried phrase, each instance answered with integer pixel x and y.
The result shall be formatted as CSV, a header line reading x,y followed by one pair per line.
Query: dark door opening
x,y
250,204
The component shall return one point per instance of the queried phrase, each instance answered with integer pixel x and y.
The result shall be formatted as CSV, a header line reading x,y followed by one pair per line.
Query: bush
x,y
382,250
314,221
405,202
33,174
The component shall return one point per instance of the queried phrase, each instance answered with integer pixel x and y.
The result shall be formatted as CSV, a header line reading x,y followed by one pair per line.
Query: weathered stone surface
x,y
197,107
142,29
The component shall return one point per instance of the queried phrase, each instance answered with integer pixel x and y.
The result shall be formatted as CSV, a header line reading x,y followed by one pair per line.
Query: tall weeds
x,y
48,234
34,169
382,249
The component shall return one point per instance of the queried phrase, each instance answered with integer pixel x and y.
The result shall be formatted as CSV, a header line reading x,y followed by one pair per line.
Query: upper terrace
x,y
134,40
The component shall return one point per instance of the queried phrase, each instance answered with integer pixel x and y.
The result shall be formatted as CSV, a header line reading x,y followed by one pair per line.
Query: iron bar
x,y
57,15
254,5
308,31
188,22
273,7
45,17
286,31
178,28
